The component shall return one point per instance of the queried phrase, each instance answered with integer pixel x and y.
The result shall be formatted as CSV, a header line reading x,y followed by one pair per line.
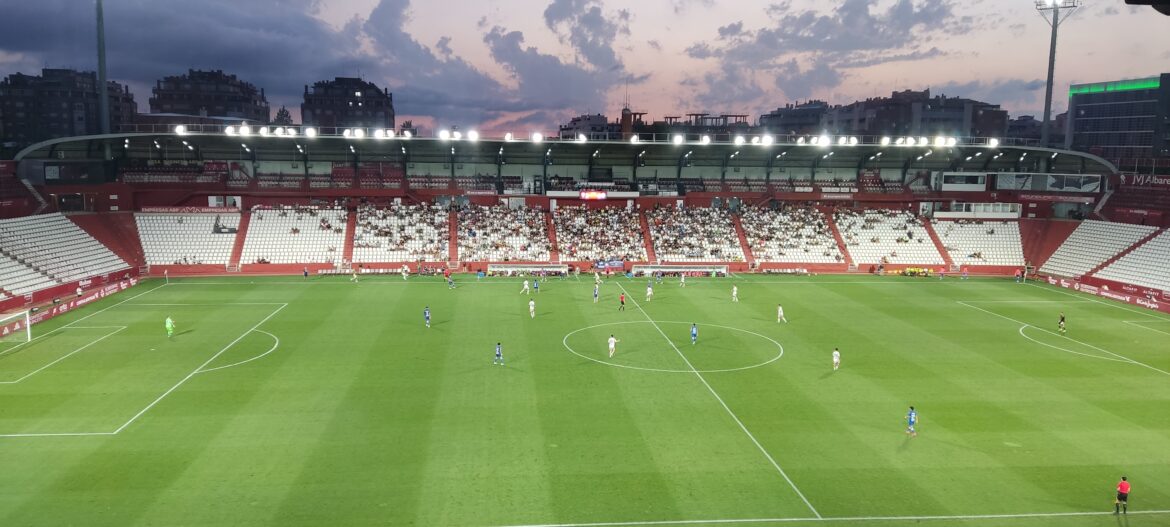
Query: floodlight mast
x,y
1057,7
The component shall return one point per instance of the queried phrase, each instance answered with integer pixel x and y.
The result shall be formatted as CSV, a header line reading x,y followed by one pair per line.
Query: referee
x,y
1121,504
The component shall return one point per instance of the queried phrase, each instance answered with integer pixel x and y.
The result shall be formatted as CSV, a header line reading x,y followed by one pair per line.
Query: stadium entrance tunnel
x,y
643,347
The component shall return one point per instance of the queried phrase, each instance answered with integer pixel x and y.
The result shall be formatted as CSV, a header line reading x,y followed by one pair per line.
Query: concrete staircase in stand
x,y
241,235
1127,250
646,238
554,253
837,236
938,244
743,241
350,230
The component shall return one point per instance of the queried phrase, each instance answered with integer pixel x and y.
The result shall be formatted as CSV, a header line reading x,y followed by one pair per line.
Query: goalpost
x,y
15,328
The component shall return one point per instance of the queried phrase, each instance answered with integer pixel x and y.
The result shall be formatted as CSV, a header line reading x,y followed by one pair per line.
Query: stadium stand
x,y
55,246
792,234
295,234
885,236
1091,244
20,279
498,233
1147,265
187,239
401,233
985,242
608,233
694,235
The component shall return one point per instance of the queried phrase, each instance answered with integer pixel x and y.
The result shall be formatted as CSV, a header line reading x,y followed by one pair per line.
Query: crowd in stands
x,y
886,236
608,233
401,233
295,234
500,233
791,233
694,235
981,242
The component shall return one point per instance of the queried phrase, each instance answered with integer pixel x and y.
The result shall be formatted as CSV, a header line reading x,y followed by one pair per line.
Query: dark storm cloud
x,y
804,50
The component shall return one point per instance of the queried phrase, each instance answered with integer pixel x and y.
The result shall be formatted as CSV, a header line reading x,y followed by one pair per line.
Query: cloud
x,y
805,51
590,31
731,30
1009,92
681,6
444,46
654,45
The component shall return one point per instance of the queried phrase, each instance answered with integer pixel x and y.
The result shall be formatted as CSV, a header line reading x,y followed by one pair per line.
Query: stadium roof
x,y
793,155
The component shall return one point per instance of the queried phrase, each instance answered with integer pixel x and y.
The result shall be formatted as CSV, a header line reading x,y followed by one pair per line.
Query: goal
x,y
15,328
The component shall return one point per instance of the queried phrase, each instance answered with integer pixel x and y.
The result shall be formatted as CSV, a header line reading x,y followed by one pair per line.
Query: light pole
x,y
1060,10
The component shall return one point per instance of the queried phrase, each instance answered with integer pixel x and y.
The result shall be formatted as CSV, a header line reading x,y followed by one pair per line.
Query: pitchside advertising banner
x,y
1156,299
69,305
610,264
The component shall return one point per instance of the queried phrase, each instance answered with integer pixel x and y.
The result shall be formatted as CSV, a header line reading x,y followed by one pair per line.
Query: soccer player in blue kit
x,y
694,334
427,315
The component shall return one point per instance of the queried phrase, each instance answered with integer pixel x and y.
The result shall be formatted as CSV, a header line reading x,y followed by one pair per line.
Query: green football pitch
x,y
282,401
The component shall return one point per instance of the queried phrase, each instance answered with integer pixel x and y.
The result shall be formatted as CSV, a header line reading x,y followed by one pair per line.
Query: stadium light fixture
x,y
290,132
180,129
444,135
940,140
351,149
472,136
278,131
595,152
919,158
359,133
842,140
689,153
191,147
922,141
800,140
456,135
642,153
706,140
1054,154
910,141
928,152
756,140
853,141
229,130
264,131
157,146
537,137
885,141
677,139
581,138
739,140
768,140
824,141
508,137
245,130
379,133
952,141
735,154
901,141
634,139
245,147
993,142
310,132
407,134
346,133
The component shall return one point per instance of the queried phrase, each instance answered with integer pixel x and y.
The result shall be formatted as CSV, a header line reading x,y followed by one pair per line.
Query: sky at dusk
x,y
503,65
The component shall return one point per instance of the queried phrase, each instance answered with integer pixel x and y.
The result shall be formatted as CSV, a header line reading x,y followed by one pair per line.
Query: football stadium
x,y
232,322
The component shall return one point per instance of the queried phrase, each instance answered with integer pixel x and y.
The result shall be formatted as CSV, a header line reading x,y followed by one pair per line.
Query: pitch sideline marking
x,y
275,344
66,356
1135,323
724,405
845,519
565,343
1052,289
1139,363
196,370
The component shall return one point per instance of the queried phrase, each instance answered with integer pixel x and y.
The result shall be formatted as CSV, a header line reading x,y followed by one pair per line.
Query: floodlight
x,y
756,140
264,131
922,141
407,134
677,139
472,136
993,142
456,135
952,141
581,138
634,138
180,129
508,137
278,131
885,141
444,135
910,141
842,140
290,131
768,140
229,130
537,137
359,133
706,139
853,141
824,141
347,132
940,141
379,133
245,130
739,140
310,132
800,140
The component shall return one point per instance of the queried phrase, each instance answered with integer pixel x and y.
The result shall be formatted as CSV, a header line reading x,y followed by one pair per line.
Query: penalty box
x,y
100,377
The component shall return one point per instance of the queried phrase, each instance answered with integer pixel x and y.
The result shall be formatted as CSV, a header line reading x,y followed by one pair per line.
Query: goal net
x,y
15,328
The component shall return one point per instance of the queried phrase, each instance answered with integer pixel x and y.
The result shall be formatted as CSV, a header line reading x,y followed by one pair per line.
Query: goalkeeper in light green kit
x,y
170,328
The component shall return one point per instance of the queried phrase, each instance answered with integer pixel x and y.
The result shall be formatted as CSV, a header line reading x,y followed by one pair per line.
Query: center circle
x,y
565,342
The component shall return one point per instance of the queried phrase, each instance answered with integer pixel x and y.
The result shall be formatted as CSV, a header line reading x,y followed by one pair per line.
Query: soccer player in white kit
x,y
532,309
836,359
735,293
682,279
612,345
525,290
649,291
780,314
405,272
